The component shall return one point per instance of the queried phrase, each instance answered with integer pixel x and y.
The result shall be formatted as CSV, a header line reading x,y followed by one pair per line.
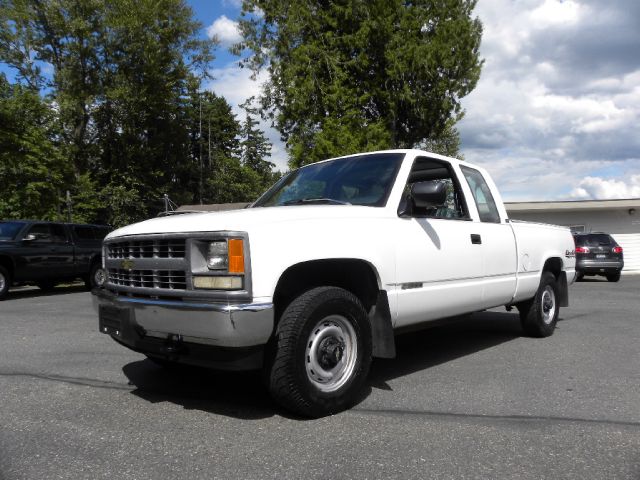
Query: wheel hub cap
x,y
331,353
548,305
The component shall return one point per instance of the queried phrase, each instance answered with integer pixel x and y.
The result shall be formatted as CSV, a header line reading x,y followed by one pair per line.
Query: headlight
x,y
218,264
217,255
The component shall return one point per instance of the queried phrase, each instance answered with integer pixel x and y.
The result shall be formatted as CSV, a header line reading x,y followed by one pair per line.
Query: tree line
x,y
121,118
109,103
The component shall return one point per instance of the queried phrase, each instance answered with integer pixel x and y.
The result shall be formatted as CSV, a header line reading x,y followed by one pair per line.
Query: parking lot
x,y
472,399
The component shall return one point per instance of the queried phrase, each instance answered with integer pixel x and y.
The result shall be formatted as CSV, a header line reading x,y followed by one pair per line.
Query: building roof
x,y
573,206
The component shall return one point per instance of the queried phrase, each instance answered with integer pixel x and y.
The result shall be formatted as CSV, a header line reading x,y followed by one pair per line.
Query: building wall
x,y
623,227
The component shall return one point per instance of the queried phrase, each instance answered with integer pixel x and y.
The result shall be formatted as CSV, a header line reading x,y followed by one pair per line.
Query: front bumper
x,y
210,334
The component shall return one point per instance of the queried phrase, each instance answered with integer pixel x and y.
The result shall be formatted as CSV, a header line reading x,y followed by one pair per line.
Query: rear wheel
x,y
322,353
613,277
5,282
539,315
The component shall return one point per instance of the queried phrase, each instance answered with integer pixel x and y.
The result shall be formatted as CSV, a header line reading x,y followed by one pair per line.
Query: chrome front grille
x,y
168,279
148,265
156,248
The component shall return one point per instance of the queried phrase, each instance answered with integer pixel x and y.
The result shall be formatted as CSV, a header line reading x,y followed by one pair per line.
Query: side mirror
x,y
29,238
429,194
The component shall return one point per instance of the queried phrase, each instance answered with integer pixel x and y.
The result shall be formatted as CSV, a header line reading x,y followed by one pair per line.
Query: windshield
x,y
9,230
361,180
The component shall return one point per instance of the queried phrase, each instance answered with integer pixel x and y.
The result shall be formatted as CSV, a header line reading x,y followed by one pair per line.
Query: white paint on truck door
x,y
439,270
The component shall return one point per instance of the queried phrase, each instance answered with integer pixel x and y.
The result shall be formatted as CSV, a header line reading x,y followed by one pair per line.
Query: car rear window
x,y
594,240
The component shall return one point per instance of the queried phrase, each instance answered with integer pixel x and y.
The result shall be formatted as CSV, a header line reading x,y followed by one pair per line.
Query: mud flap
x,y
384,344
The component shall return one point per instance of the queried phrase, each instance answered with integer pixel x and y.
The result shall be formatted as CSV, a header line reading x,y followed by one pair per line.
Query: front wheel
x,y
96,276
539,315
322,353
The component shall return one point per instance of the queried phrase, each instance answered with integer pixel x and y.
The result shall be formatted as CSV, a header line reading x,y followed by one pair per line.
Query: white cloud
x,y
555,13
235,85
600,188
225,29
558,99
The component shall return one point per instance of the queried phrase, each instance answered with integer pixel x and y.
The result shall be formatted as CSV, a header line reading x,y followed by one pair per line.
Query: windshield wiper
x,y
305,201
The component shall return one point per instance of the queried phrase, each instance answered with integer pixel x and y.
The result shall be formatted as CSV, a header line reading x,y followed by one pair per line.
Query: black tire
x,y
5,282
96,276
613,277
579,277
539,315
322,353
46,285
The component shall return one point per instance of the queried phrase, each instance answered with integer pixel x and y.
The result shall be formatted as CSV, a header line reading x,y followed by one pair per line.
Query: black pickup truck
x,y
46,253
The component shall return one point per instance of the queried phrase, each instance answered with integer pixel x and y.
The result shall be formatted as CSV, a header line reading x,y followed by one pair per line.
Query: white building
x,y
620,218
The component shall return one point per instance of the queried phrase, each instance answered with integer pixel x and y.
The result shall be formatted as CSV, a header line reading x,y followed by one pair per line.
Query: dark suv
x,y
598,254
48,252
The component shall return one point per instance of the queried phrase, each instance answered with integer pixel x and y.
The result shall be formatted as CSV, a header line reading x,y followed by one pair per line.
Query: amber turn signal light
x,y
236,255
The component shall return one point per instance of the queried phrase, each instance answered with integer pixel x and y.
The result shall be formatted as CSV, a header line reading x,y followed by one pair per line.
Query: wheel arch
x,y
555,265
355,275
7,262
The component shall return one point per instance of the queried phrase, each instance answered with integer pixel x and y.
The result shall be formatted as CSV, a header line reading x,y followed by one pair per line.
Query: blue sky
x,y
555,114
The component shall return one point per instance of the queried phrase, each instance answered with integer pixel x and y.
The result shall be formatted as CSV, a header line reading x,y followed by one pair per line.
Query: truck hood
x,y
247,219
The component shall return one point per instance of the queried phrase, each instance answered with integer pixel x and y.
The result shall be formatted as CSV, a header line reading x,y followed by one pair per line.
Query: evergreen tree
x,y
256,148
361,75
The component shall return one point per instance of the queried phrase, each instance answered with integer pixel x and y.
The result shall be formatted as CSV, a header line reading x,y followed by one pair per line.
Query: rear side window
x,y
482,195
58,233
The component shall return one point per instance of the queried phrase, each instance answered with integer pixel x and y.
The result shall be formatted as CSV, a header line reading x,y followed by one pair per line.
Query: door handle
x,y
476,239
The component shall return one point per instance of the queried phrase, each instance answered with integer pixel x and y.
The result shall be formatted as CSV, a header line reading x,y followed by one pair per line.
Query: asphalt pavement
x,y
467,400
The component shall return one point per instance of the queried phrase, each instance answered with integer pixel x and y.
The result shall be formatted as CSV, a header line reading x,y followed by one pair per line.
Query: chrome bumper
x,y
215,324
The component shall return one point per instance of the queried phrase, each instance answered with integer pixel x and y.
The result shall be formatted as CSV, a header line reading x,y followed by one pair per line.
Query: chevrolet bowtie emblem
x,y
127,264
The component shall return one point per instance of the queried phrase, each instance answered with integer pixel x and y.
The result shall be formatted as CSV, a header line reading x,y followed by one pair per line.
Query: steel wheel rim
x,y
548,305
331,353
99,277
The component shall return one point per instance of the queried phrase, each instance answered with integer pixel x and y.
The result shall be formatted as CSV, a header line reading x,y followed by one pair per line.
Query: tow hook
x,y
174,345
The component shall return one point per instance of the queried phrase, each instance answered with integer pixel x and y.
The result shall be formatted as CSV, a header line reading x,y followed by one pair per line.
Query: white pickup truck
x,y
314,278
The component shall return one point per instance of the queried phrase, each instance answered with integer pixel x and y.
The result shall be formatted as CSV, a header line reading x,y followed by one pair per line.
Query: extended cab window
x,y
439,172
482,195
